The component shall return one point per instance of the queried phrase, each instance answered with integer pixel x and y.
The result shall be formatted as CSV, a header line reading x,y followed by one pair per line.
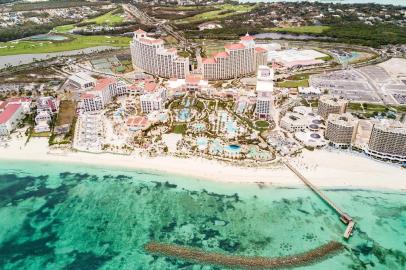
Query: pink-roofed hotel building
x,y
11,115
103,92
150,55
238,59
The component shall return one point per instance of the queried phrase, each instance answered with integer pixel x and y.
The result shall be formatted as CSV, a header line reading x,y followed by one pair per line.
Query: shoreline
x,y
316,165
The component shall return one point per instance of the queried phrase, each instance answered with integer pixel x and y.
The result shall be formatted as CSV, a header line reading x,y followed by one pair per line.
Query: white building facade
x,y
239,59
264,91
150,55
10,117
153,101
104,91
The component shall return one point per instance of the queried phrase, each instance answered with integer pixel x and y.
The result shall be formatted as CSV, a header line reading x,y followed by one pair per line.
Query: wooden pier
x,y
344,217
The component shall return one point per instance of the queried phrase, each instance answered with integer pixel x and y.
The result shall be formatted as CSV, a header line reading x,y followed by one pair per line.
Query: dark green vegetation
x,y
28,29
262,124
368,110
55,4
237,19
179,128
359,33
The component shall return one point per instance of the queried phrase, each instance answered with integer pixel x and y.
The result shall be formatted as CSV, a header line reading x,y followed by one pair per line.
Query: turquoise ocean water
x,y
59,216
382,2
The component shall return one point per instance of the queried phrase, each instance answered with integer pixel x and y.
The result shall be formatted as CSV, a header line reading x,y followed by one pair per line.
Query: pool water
x,y
202,143
216,147
199,127
233,148
184,114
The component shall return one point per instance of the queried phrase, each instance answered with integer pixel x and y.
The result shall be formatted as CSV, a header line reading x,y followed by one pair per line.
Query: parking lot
x,y
372,84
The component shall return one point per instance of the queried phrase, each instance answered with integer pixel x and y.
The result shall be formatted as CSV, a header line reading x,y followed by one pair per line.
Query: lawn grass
x,y
63,28
294,84
371,107
312,29
75,42
222,11
110,18
262,124
179,129
41,134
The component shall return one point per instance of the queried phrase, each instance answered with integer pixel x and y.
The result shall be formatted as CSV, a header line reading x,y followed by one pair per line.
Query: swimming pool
x,y
199,127
216,147
233,148
184,115
201,143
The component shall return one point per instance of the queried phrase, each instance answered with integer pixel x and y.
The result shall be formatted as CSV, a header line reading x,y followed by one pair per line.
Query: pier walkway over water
x,y
344,217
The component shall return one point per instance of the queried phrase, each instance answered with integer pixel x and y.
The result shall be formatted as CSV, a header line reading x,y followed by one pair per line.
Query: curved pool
x,y
233,148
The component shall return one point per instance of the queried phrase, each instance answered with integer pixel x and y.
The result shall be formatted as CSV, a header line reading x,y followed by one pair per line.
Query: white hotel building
x,y
12,112
264,91
103,92
388,141
150,55
239,59
154,101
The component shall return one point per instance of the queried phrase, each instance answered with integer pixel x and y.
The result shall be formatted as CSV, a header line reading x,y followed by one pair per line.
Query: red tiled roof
x,y
86,96
247,37
19,99
8,112
193,79
221,54
151,40
234,46
209,61
150,86
260,49
137,121
103,83
140,31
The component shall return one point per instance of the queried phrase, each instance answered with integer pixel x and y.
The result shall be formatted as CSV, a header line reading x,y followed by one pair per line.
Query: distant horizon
x,y
381,2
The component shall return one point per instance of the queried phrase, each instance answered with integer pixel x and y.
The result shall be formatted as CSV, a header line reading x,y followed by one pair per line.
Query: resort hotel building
x,y
102,94
331,104
388,141
150,55
341,129
192,83
12,111
153,101
238,59
264,89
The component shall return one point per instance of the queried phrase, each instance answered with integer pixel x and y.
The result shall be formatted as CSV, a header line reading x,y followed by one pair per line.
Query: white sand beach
x,y
341,169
